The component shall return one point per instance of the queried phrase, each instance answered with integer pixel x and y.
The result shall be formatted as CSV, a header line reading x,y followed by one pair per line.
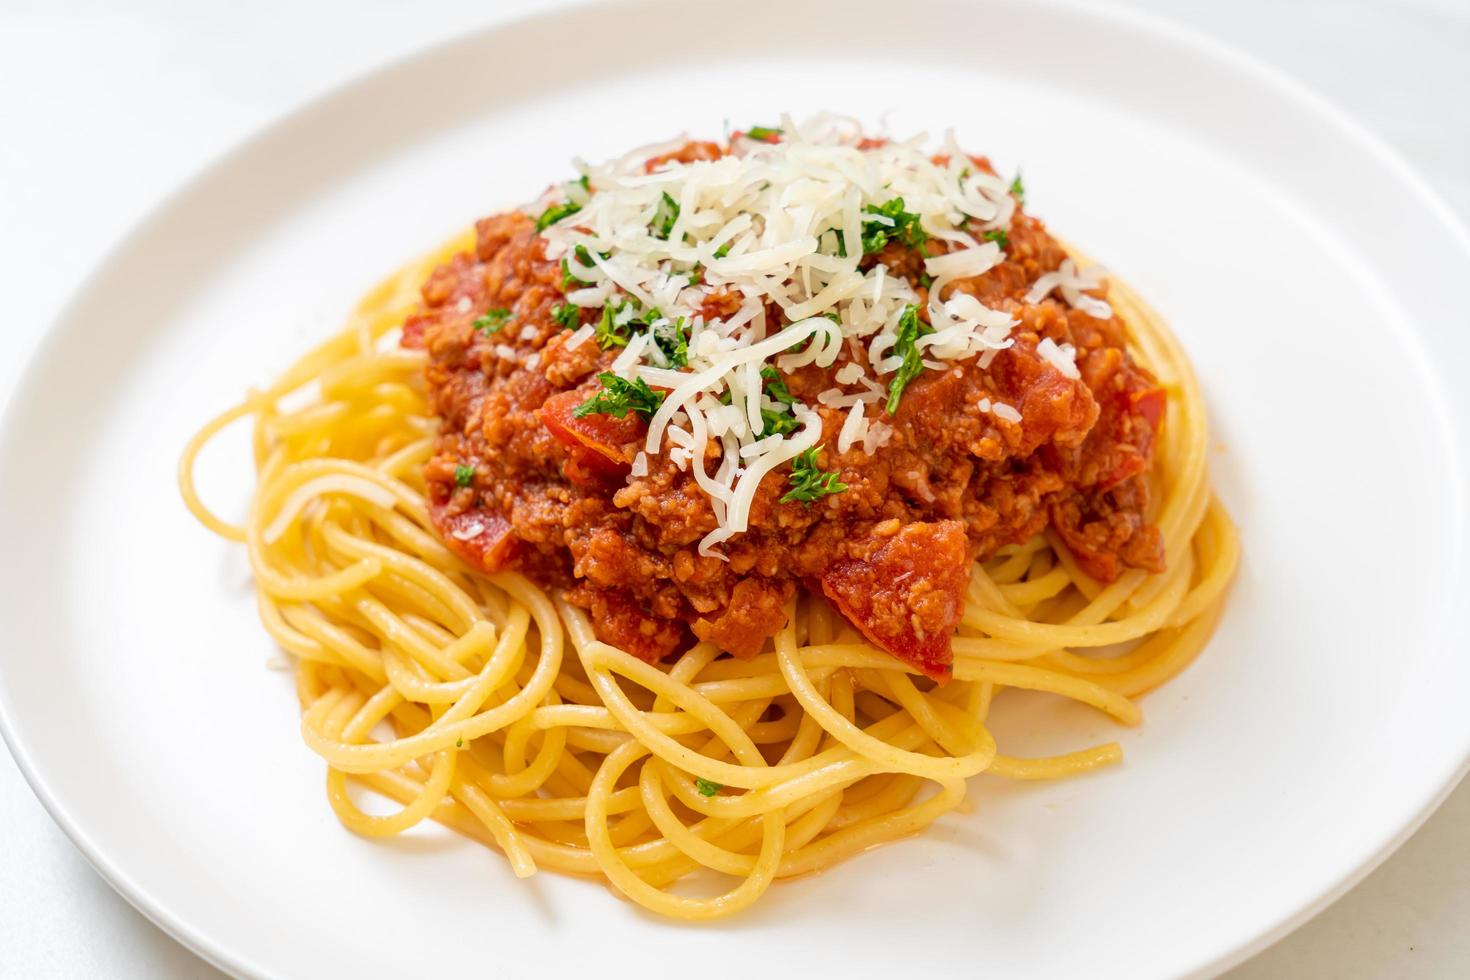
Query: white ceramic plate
x,y
1314,280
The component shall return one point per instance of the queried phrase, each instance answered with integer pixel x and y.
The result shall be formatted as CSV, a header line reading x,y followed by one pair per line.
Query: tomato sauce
x,y
550,494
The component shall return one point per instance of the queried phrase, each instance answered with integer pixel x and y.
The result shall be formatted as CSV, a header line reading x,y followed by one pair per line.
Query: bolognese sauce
x,y
541,463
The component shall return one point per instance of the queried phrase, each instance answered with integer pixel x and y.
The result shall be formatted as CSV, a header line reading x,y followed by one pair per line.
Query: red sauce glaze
x,y
552,495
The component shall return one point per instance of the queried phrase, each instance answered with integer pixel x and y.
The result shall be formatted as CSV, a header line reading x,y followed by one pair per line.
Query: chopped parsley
x,y
672,339
910,329
492,320
464,475
766,134
776,386
808,481
664,217
615,329
569,316
610,333
555,213
722,251
459,743
1019,189
841,252
707,787
586,185
905,227
584,260
619,396
926,280
998,236
778,421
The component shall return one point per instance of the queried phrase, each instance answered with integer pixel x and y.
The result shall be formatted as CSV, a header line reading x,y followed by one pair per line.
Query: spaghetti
x,y
487,704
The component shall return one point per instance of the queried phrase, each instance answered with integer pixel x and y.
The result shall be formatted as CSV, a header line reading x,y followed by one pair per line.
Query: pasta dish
x,y
685,523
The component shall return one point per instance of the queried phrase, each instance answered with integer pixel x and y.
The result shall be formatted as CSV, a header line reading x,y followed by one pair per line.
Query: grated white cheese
x,y
468,531
780,226
1003,411
854,428
580,336
1072,281
1063,358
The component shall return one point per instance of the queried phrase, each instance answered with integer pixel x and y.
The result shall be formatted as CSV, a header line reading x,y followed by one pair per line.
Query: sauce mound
x,y
525,477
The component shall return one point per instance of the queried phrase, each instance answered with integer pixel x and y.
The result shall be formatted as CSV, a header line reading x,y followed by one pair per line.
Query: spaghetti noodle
x,y
487,704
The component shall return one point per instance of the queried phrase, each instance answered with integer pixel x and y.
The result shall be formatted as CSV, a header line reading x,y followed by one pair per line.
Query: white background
x,y
105,107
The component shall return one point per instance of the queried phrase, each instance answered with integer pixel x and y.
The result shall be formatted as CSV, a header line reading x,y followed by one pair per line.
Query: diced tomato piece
x,y
598,444
694,151
1150,403
482,538
906,592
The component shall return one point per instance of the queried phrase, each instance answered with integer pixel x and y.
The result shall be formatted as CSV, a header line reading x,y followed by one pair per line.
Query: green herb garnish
x,y
664,217
706,787
609,332
722,251
555,213
569,316
1018,189
586,185
672,338
998,236
905,227
459,743
778,423
584,260
619,396
926,280
808,481
492,320
763,133
776,386
910,329
464,475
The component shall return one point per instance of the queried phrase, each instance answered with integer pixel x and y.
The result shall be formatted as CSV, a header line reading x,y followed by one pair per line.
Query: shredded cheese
x,y
781,227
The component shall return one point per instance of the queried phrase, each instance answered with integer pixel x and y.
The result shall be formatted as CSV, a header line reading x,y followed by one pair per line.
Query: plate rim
x,y
1159,26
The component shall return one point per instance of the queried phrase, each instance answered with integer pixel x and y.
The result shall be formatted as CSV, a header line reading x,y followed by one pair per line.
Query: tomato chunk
x,y
905,592
480,537
1150,403
598,445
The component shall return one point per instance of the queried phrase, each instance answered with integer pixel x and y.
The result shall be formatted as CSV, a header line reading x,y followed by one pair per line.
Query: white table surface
x,y
105,107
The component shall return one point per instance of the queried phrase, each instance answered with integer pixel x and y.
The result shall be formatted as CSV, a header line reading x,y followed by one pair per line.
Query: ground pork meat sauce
x,y
517,481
